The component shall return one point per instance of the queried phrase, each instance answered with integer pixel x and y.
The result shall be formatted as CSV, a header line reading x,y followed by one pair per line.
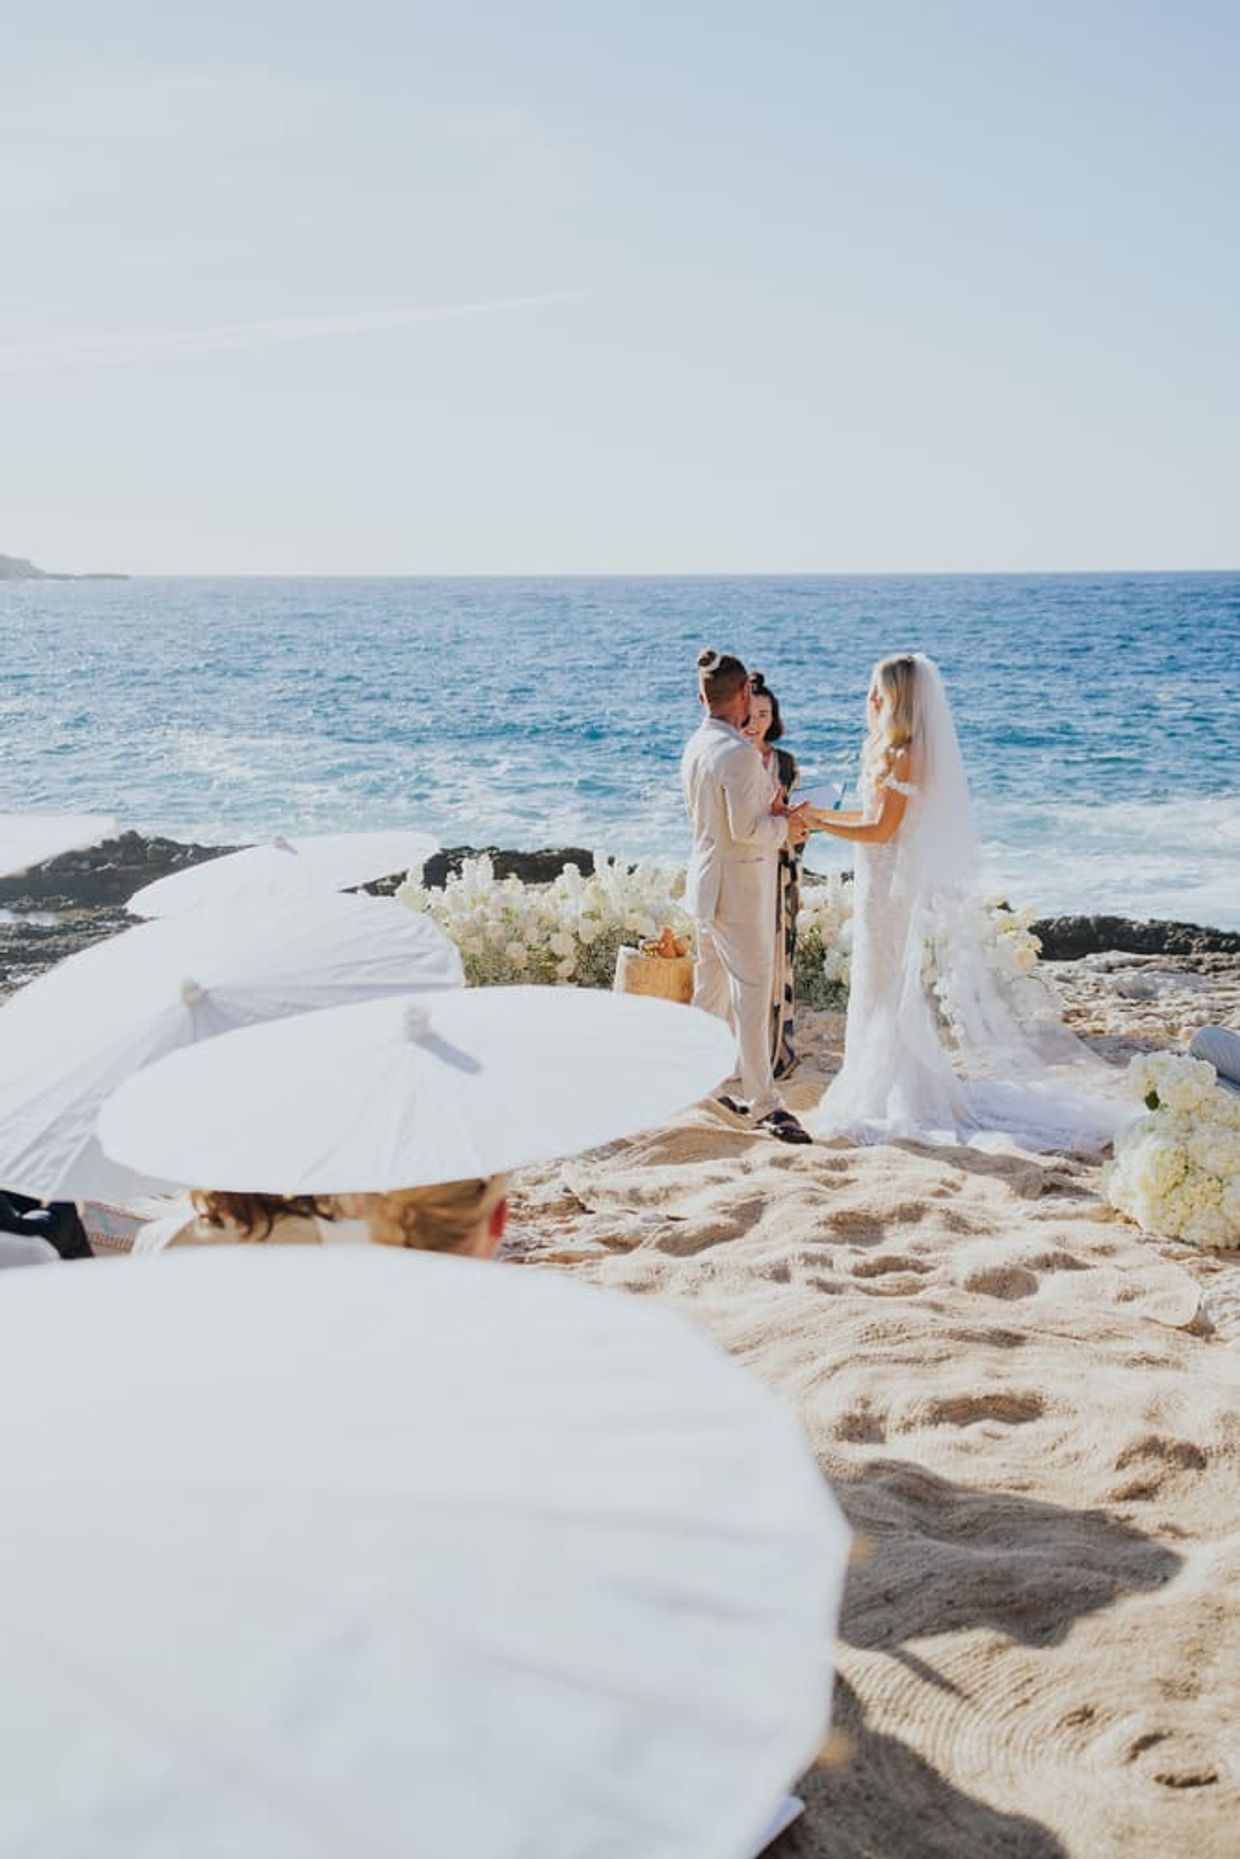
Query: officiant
x,y
765,730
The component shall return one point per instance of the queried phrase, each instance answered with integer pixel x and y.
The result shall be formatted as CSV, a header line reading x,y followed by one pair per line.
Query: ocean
x,y
1098,713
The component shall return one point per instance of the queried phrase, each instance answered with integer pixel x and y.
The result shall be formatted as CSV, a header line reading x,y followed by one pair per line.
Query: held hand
x,y
800,824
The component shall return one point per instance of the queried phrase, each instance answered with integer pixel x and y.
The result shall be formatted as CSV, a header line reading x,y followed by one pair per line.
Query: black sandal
x,y
783,1126
730,1103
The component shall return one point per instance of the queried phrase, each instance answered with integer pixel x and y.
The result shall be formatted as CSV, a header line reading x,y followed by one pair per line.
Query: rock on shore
x,y
1068,939
74,900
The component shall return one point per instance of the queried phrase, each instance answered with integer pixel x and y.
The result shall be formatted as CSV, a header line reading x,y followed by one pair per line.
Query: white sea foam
x,y
1176,859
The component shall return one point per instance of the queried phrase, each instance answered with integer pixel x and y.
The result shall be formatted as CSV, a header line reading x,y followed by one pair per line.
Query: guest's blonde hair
x,y
254,1215
891,732
442,1218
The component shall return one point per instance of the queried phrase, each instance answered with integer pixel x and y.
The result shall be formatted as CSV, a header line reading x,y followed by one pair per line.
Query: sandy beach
x,y
1031,1414
1030,1411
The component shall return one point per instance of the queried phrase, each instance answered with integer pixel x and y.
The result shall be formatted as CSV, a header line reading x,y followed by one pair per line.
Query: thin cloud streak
x,y
98,350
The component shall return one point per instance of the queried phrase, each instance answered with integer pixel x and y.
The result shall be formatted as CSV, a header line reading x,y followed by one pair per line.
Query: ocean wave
x,y
537,713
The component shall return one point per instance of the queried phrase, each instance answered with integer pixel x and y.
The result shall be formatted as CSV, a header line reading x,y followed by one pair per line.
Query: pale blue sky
x,y
657,287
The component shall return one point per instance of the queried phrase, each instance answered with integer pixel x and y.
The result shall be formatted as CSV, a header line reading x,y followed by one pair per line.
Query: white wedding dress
x,y
967,1071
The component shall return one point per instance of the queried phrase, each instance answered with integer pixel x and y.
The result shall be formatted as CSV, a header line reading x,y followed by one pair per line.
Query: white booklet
x,y
789,1809
827,796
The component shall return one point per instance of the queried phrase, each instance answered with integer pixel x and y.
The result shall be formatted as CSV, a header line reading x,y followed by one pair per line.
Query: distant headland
x,y
16,568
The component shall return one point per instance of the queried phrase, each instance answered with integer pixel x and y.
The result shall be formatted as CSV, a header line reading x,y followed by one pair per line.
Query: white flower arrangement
x,y
1167,1081
564,933
824,942
1008,937
1176,1170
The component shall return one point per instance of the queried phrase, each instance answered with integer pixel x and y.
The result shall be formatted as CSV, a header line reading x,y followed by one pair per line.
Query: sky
x,y
674,286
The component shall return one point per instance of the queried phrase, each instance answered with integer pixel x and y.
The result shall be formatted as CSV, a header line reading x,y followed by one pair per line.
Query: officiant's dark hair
x,y
720,676
759,687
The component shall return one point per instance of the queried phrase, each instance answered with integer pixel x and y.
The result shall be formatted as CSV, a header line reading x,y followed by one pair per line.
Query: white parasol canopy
x,y
267,873
72,1036
323,1553
397,1094
27,839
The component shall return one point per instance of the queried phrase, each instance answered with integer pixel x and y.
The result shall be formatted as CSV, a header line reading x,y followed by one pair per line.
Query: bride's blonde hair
x,y
891,732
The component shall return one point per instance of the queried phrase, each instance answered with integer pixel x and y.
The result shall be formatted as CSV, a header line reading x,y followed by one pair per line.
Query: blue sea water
x,y
1098,714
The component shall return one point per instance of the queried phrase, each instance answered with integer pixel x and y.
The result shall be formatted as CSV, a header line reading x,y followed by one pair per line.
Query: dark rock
x,y
530,867
105,874
29,946
1067,939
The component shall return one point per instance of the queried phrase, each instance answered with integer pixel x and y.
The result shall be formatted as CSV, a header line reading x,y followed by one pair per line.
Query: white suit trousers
x,y
733,978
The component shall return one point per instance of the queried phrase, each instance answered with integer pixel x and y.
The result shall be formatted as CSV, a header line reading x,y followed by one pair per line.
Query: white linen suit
x,y
730,890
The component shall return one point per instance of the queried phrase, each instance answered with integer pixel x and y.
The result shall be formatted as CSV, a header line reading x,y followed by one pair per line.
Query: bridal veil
x,y
935,1049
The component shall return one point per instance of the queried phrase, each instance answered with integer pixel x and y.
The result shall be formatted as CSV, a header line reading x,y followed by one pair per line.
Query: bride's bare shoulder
x,y
902,775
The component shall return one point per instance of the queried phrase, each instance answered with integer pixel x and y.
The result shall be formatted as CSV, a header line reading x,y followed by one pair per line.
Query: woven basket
x,y
669,977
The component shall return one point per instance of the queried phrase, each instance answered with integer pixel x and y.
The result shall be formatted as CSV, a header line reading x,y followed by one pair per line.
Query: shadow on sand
x,y
941,1558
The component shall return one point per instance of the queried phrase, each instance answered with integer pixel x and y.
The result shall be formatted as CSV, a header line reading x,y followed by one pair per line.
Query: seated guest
x,y
398,1121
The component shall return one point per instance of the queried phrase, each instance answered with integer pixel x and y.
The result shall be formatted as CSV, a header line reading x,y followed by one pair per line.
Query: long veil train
x,y
972,1070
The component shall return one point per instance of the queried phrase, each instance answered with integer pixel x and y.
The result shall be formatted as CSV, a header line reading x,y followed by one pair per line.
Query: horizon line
x,y
604,574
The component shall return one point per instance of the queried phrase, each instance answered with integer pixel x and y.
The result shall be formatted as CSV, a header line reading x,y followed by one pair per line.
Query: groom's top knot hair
x,y
720,676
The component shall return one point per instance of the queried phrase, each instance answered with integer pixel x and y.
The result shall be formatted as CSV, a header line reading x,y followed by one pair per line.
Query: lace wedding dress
x,y
964,1070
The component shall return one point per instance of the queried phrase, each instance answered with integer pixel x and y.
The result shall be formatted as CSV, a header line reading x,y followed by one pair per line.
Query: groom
x,y
731,884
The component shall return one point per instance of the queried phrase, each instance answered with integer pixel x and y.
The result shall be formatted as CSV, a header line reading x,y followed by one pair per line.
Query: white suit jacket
x,y
736,837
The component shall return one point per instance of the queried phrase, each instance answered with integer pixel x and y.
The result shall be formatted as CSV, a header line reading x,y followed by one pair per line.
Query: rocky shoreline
x,y
80,897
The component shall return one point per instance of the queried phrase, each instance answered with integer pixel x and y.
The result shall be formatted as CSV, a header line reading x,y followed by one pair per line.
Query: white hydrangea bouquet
x,y
1176,1170
564,933
824,942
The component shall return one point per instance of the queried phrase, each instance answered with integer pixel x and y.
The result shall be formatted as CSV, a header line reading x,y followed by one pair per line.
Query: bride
x,y
972,1072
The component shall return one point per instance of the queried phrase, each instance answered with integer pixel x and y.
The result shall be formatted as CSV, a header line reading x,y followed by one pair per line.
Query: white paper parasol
x,y
396,1094
335,1553
71,1037
251,878
27,839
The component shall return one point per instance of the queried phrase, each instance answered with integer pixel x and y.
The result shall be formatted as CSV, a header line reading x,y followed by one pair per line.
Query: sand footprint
x,y
1005,1281
1009,1407
884,1262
